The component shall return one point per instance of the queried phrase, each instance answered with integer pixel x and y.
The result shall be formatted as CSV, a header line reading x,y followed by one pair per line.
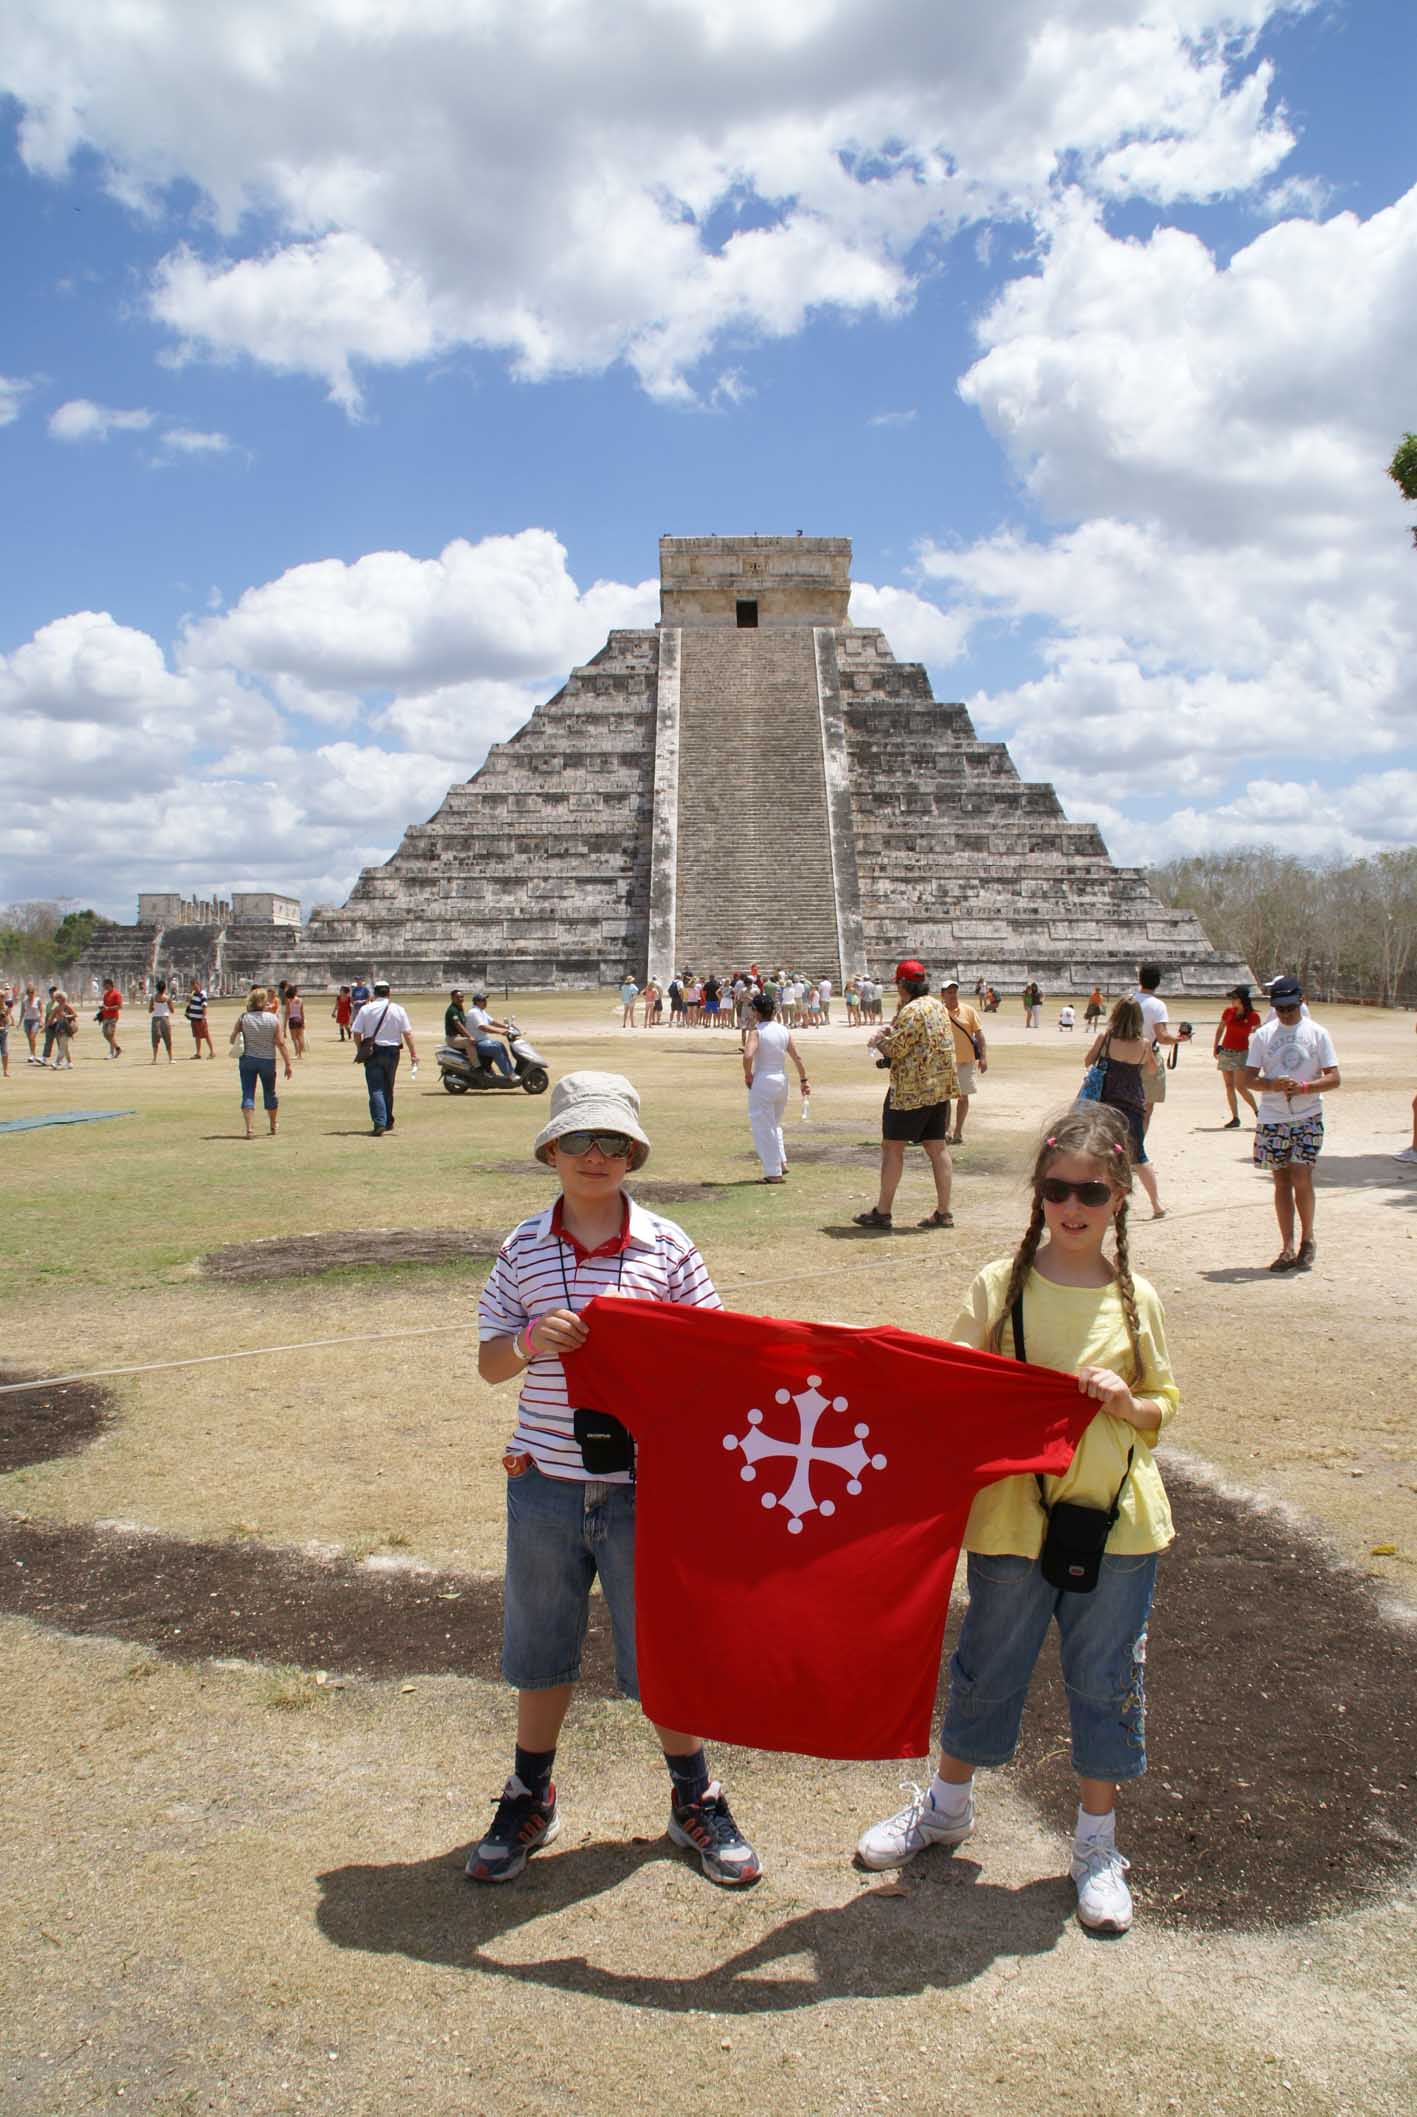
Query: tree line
x,y
38,939
1349,929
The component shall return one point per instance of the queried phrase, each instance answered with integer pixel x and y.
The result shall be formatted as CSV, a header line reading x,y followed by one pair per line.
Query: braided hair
x,y
1101,1133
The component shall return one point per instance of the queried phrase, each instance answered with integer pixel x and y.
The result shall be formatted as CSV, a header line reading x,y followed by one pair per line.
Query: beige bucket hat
x,y
594,1102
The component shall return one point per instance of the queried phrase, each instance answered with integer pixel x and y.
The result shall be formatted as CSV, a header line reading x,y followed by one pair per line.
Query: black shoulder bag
x,y
1076,1537
364,1048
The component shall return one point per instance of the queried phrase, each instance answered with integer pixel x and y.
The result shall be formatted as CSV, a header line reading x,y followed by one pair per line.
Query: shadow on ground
x,y
956,1927
1282,1726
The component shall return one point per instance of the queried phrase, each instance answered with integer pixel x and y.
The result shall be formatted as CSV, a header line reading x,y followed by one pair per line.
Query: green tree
x,y
1403,467
74,933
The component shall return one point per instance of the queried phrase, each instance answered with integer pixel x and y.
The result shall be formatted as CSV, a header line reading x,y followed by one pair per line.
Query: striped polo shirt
x,y
539,1268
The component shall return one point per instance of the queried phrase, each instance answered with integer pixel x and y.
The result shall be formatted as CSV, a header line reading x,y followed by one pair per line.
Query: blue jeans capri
x,y
561,1537
264,1071
1102,1637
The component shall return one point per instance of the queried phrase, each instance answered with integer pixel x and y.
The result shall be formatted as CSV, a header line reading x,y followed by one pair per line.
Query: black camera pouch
x,y
606,1446
1076,1537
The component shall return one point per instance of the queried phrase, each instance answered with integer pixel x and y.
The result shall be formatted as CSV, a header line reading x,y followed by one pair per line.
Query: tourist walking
x,y
1095,1008
342,1013
196,1013
382,1023
66,1028
1230,1049
971,1053
1156,1027
295,1019
160,1020
256,1039
767,1047
1128,1054
31,1020
109,1009
1033,1006
1061,1302
1292,1063
51,1025
919,1046
571,1502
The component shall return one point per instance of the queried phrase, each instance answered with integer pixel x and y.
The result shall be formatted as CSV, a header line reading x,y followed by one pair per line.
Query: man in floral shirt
x,y
919,1046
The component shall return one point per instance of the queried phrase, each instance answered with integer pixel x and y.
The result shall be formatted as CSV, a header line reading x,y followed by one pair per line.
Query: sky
x,y
355,354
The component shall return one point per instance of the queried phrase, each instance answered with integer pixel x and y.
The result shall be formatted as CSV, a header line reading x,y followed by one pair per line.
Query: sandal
x,y
937,1219
873,1219
1284,1262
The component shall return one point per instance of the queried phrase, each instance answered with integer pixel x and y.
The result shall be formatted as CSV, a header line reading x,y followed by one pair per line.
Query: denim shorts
x,y
1103,1641
561,1536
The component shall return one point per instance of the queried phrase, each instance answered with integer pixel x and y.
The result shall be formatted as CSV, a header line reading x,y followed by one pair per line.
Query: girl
x,y
1231,1049
1084,1314
766,1049
295,1019
1130,1056
343,1012
160,1020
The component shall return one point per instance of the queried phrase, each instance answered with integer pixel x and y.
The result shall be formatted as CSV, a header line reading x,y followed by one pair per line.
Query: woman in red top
x,y
1232,1043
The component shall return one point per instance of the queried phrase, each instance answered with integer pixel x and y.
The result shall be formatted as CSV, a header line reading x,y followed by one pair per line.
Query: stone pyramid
x,y
755,780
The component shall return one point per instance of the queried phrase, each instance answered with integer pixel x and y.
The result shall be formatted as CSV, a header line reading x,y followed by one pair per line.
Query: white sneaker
x,y
918,1824
1104,1900
1407,1154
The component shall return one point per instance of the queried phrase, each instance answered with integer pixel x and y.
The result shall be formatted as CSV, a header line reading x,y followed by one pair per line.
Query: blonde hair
x,y
1103,1135
1127,1022
256,1000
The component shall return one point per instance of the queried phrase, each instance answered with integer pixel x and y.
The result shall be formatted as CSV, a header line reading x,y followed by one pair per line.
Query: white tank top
x,y
770,1063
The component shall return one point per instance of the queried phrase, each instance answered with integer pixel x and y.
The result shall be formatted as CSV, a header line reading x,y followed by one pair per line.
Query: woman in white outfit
x,y
766,1050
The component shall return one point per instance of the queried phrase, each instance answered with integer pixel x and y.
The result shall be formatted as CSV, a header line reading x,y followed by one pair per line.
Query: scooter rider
x,y
476,1034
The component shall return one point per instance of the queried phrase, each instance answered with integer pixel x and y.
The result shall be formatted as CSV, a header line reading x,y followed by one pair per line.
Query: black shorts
x,y
930,1121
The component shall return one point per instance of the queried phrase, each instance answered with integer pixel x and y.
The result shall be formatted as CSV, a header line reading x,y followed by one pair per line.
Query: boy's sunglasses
x,y
615,1146
1058,1193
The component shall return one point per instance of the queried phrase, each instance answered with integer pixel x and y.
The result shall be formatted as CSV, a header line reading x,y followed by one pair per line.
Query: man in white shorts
x,y
971,1052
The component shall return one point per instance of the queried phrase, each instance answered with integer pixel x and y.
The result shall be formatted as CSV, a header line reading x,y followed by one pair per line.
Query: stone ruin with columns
x,y
754,780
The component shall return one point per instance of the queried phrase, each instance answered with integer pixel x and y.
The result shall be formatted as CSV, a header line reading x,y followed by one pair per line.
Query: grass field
x,y
236,1887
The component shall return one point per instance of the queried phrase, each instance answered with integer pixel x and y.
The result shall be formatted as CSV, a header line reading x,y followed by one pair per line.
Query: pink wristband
x,y
527,1350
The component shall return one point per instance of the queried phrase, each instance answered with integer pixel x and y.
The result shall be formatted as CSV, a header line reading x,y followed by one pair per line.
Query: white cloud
x,y
916,629
13,391
571,188
892,418
504,608
191,441
83,420
293,738
1313,820
1230,588
1295,197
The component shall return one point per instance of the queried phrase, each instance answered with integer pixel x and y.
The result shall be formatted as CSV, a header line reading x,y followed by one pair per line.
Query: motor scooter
x,y
462,1070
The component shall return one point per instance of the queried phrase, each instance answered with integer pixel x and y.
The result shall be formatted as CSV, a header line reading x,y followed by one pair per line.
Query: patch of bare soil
x,y
1283,1726
38,1424
309,1256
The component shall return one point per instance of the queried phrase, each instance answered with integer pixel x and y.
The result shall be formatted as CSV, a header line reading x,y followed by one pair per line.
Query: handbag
x,y
364,1047
1076,1537
1092,1080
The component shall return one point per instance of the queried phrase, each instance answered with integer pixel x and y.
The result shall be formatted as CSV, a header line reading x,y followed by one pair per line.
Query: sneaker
x,y
522,1825
706,1826
1407,1154
918,1824
1104,1900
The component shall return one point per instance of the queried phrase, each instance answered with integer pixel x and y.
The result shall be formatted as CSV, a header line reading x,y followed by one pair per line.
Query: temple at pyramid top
x,y
753,583
755,779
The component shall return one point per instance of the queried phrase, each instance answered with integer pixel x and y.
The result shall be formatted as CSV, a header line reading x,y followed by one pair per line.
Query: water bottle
x,y
806,1108
413,1071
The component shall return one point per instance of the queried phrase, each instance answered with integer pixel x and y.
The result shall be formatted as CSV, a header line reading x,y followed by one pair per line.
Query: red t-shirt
x,y
111,1005
1236,1029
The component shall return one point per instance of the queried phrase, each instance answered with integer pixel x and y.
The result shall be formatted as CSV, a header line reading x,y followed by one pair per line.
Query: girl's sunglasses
x,y
615,1146
1058,1193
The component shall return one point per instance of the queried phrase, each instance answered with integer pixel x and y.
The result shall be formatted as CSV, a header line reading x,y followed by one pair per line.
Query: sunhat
x,y
594,1102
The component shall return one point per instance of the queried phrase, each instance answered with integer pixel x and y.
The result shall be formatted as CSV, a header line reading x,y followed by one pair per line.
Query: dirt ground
x,y
248,1614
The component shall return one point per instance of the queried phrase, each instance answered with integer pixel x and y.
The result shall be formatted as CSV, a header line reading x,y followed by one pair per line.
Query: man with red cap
x,y
919,1047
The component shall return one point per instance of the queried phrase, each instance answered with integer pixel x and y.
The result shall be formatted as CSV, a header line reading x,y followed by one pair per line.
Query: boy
x,y
1292,1063
566,1523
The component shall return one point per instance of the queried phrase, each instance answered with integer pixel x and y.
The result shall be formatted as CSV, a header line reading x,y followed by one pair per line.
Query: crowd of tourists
x,y
724,1000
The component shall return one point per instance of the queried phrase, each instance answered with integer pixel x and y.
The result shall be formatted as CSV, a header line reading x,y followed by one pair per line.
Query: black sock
x,y
533,1768
690,1776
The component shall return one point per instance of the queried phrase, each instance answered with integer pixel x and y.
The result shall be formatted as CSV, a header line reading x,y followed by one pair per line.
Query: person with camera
x,y
1155,1028
571,1473
918,1047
